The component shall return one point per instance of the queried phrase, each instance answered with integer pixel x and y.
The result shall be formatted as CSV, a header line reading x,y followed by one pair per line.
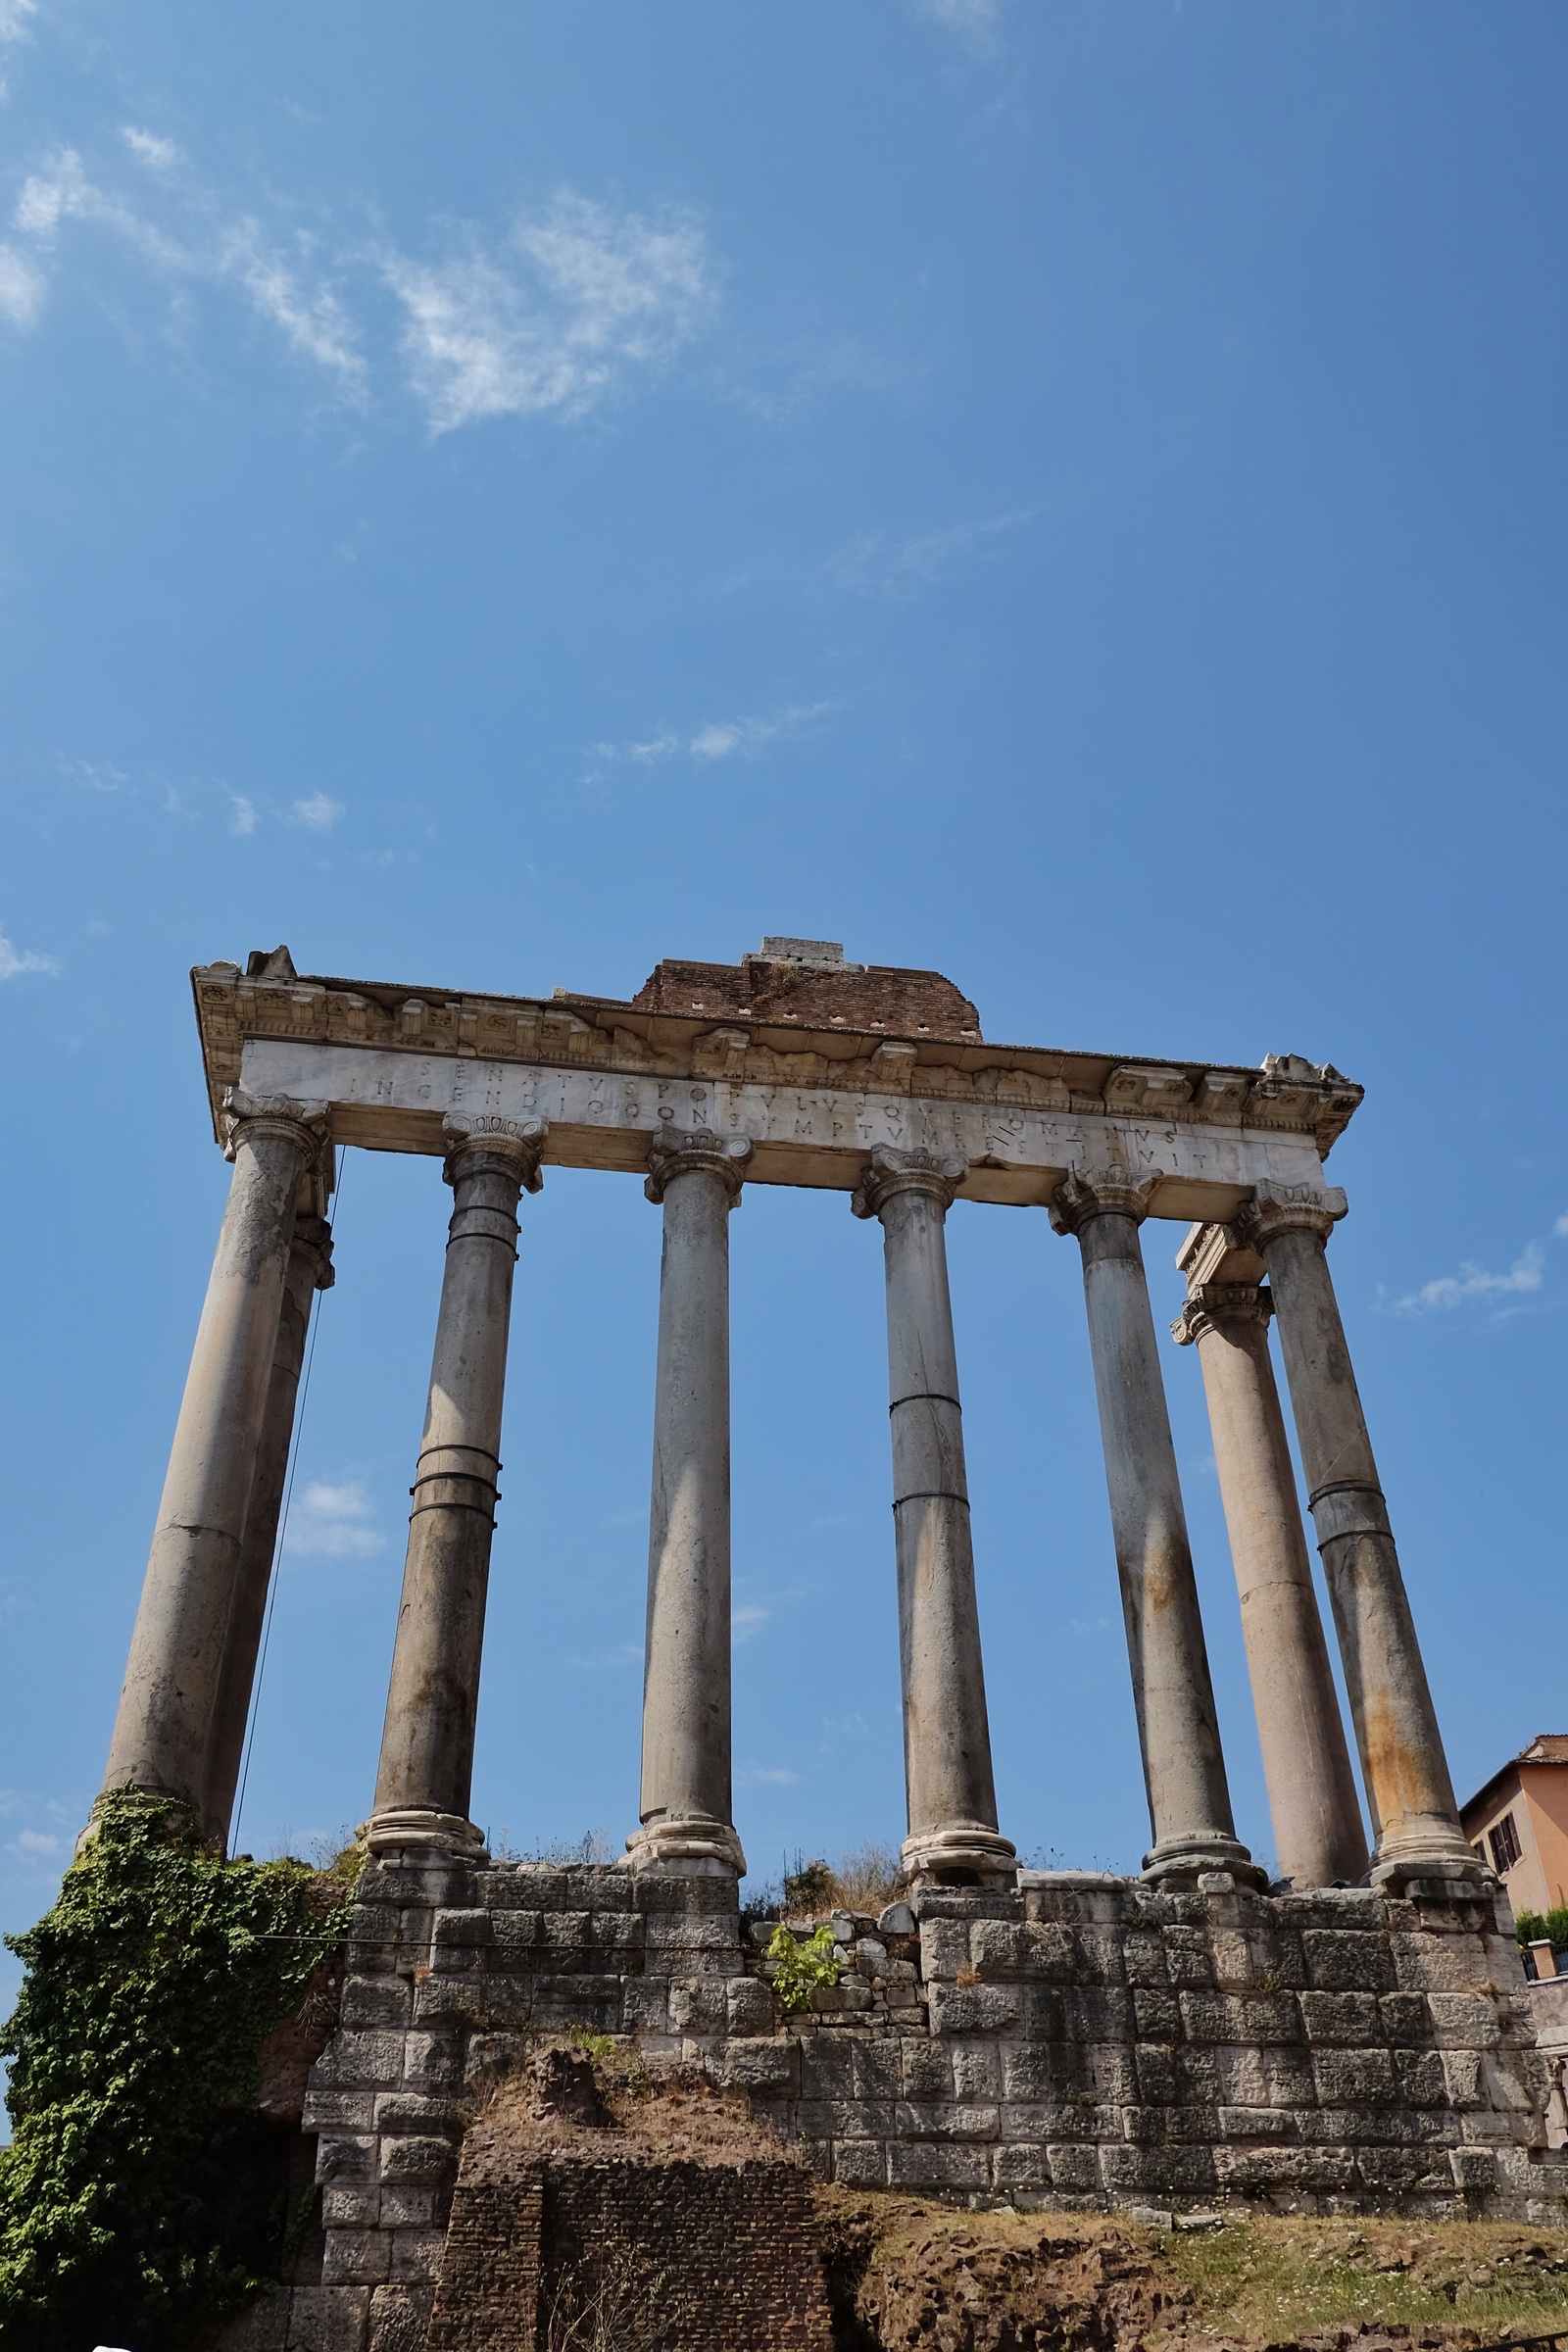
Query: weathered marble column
x,y
1184,1769
309,1270
1403,1769
1318,1836
953,1838
426,1771
163,1729
686,1797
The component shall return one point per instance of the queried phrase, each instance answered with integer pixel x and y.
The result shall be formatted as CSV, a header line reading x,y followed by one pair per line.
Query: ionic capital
x,y
1212,1303
720,1155
304,1124
313,1238
1086,1193
513,1144
1277,1208
937,1175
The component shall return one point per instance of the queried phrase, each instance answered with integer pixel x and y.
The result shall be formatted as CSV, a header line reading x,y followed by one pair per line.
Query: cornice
x,y
1287,1094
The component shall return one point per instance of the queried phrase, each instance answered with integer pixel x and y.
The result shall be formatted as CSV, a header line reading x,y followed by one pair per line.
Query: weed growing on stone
x,y
800,1969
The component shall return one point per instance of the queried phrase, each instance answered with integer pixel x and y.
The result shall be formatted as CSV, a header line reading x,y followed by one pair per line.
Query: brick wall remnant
x,y
851,995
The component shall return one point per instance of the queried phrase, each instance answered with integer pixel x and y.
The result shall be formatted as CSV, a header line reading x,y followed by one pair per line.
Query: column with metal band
x,y
1318,1837
163,1727
426,1776
1415,1821
309,1270
1184,1768
686,1797
953,1837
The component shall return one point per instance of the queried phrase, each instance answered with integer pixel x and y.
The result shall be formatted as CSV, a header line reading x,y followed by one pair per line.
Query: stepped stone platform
x,y
1083,2042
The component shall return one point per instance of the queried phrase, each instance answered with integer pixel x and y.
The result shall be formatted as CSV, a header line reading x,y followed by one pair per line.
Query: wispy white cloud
x,y
36,1841
311,318
1561,1226
576,304
292,295
244,818
776,1776
624,1654
22,288
1524,1277
975,22
658,749
878,564
573,308
14,961
98,773
716,738
746,1621
318,815
15,22
333,1520
159,154
722,738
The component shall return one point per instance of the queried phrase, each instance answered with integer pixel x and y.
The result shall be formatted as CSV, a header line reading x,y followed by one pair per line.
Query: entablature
x,y
392,1061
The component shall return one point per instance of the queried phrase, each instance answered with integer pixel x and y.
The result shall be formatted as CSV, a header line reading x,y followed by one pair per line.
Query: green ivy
x,y
135,2050
800,1969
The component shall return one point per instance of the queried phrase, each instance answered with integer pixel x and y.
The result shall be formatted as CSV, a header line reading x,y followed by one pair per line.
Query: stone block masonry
x,y
1083,2040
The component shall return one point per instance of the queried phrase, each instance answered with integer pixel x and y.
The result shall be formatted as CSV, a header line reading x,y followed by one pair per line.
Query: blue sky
x,y
1067,494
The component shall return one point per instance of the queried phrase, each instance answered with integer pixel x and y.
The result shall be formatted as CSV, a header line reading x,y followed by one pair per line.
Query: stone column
x,y
1405,1774
1184,1769
309,1270
1312,1792
426,1771
163,1729
953,1837
686,1798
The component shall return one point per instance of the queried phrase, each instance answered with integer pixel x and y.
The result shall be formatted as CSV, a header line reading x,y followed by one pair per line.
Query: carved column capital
x,y
304,1124
1086,1193
513,1144
1212,1303
722,1155
936,1174
1277,1208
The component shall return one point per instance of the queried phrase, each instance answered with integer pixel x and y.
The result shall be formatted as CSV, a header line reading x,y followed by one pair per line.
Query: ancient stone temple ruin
x,y
1351,2036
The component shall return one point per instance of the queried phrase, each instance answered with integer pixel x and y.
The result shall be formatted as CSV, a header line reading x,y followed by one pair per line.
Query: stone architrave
x,y
168,1705
309,1269
1403,1767
1184,1768
686,1778
1319,1841
426,1770
954,1834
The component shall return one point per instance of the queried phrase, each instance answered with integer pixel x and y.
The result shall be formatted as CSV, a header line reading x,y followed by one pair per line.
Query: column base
x,y
691,1847
961,1853
1434,1859
148,1801
420,1830
1183,1862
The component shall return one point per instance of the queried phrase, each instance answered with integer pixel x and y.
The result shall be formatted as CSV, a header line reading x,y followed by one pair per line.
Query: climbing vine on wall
x,y
135,2050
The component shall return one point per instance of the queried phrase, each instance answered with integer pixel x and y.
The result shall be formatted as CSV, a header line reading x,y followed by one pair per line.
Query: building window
x,y
1479,1851
1505,1846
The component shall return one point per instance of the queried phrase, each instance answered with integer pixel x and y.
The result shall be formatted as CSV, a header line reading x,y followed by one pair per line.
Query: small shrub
x,y
1535,1927
808,1887
800,1971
